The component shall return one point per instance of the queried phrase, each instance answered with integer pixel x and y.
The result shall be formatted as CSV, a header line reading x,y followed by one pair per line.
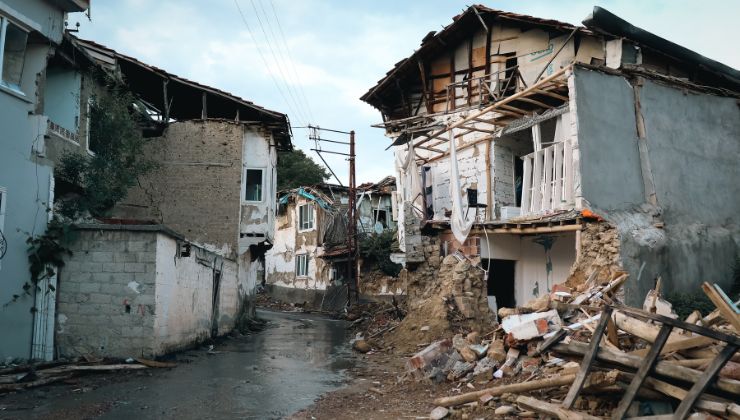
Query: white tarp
x,y
459,224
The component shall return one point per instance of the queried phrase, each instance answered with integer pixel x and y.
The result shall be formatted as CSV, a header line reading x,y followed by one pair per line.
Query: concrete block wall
x,y
106,292
132,293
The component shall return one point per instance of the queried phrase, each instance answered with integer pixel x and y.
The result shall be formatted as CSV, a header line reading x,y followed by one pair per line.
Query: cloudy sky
x,y
339,49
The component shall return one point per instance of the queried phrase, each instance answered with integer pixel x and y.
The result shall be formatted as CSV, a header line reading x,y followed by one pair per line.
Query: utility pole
x,y
353,272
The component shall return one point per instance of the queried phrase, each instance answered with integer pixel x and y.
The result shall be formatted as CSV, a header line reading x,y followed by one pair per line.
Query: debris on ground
x,y
263,300
19,377
579,353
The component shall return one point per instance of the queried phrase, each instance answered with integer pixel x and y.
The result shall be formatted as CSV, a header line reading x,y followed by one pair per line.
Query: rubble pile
x,y
452,298
582,353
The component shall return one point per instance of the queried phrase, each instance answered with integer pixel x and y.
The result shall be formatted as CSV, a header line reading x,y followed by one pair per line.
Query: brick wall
x,y
196,189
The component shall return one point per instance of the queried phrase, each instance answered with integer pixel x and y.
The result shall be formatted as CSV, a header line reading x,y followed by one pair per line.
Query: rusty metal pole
x,y
352,216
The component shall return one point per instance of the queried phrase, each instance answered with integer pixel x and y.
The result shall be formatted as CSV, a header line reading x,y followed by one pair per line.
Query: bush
x,y
686,303
376,249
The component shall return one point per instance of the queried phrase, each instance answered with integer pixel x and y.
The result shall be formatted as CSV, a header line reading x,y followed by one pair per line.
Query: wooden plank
x,y
557,192
568,172
536,102
550,341
727,311
642,372
707,332
702,383
551,94
547,181
552,409
588,359
536,181
552,382
688,343
526,187
662,368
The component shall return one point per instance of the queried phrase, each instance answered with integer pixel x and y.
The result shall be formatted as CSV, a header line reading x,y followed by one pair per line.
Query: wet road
x,y
266,375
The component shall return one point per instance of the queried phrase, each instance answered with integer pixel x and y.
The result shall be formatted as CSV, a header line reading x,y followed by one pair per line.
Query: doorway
x,y
501,281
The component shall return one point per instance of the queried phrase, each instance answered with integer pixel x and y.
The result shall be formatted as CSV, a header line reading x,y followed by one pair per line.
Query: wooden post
x,y
588,359
642,373
703,382
204,111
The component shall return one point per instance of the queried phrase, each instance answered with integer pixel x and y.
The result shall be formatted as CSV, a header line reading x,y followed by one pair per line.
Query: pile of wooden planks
x,y
610,360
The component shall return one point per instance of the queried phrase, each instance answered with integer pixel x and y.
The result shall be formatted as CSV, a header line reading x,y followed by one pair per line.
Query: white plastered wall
x,y
532,276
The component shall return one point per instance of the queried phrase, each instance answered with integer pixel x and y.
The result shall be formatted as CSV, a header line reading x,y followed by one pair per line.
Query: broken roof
x,y
185,97
601,21
462,25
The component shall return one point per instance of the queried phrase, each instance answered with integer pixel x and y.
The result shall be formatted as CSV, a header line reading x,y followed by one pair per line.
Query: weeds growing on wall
x,y
376,249
118,160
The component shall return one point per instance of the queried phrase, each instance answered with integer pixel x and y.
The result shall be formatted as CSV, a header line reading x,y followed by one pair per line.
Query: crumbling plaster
x,y
693,146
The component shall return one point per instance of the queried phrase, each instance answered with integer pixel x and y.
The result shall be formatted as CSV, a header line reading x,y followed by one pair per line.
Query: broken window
x,y
253,184
381,216
305,217
13,42
301,265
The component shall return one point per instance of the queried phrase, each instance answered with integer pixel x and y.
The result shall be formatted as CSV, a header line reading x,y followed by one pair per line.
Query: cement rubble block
x,y
101,256
124,257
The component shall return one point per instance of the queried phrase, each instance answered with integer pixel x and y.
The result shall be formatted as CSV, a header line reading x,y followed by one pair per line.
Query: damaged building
x,y
177,260
553,152
310,261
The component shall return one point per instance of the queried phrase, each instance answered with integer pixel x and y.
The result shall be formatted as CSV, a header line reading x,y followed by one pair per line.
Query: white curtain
x,y
459,224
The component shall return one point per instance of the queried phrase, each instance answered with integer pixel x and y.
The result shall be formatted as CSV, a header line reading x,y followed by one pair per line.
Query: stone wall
x,y
599,254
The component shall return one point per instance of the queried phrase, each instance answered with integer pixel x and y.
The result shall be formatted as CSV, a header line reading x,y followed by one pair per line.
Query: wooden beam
x,y
642,372
551,94
498,104
727,311
535,102
702,383
552,409
588,359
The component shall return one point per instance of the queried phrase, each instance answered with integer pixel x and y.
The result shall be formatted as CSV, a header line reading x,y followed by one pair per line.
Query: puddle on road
x,y
270,374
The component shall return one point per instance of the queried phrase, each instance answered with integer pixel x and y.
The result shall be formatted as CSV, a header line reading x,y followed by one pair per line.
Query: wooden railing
x,y
548,179
482,89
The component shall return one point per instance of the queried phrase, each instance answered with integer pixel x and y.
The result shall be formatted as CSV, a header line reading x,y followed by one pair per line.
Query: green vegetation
x,y
376,249
119,157
295,169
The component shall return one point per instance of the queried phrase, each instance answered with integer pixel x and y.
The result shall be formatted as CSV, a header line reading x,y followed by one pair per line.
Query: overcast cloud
x,y
340,49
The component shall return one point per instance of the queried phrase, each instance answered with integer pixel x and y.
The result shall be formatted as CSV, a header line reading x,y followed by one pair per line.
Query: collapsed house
x,y
555,152
178,259
310,261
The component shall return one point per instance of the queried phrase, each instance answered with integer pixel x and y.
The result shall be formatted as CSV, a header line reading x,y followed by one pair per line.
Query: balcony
x,y
548,179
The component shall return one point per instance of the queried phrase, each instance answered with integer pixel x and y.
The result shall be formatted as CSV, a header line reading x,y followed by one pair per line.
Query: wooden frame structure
x,y
646,368
547,93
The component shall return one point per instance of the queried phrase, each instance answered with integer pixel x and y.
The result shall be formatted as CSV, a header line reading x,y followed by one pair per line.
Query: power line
x,y
277,61
289,53
264,61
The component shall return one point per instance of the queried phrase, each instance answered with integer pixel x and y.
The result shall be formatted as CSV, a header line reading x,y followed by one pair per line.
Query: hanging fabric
x,y
459,224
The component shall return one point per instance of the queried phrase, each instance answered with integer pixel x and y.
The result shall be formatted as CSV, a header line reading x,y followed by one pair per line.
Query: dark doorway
x,y
501,282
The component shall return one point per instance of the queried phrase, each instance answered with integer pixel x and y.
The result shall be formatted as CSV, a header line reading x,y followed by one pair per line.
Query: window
x,y
381,216
305,217
253,184
301,265
13,42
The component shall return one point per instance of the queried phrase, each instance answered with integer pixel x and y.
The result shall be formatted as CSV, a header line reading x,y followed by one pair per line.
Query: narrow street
x,y
270,374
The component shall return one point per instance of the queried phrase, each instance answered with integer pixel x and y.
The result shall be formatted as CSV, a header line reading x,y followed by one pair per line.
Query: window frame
x,y
312,218
244,184
5,20
301,265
